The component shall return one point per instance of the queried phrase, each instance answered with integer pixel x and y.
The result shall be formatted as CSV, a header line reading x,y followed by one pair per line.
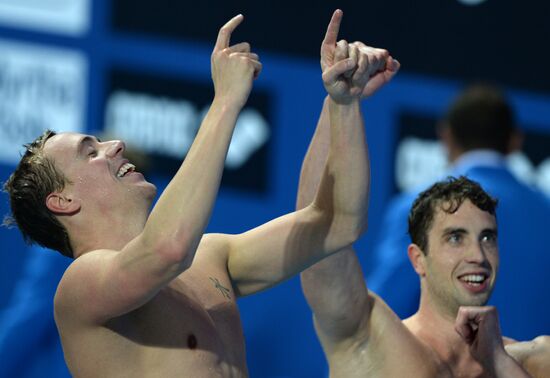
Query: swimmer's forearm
x,y
181,214
336,171
344,187
315,160
177,223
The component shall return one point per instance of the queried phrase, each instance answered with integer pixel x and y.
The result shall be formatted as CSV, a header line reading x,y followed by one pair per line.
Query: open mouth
x,y
125,169
475,282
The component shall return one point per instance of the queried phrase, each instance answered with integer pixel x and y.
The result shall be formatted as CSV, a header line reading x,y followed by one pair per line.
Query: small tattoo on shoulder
x,y
225,291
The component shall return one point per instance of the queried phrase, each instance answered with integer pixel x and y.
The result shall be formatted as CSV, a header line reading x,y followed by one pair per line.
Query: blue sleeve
x,y
393,277
26,324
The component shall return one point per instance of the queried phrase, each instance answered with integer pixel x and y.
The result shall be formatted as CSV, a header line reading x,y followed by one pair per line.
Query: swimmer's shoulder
x,y
533,355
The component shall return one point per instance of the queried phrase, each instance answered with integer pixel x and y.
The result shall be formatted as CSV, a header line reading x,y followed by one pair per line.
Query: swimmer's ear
x,y
416,256
61,204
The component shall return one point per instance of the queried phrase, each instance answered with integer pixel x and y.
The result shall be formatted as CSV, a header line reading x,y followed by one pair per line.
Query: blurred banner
x,y
70,17
40,88
160,116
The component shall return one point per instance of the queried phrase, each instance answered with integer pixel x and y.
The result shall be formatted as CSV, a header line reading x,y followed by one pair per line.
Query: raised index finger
x,y
225,32
333,28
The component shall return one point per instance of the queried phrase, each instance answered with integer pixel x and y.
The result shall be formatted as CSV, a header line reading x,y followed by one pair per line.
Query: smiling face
x,y
98,173
459,268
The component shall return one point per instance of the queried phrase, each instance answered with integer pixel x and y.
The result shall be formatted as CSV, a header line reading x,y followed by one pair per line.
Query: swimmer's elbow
x,y
355,226
175,249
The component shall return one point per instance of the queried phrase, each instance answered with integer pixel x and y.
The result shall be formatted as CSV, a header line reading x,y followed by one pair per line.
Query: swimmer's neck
x,y
104,232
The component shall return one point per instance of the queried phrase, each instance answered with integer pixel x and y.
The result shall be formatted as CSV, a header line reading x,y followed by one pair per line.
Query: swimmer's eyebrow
x,y
454,230
84,142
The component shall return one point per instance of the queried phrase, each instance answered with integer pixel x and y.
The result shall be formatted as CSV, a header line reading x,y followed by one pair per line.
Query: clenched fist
x,y
352,71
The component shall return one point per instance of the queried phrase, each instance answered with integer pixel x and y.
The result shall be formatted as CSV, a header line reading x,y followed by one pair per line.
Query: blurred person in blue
x,y
29,342
478,131
148,293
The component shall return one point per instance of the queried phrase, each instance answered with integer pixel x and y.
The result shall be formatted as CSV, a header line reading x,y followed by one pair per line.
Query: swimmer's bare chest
x,y
193,324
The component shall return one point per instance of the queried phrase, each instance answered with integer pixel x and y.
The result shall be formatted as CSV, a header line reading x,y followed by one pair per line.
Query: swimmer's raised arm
x,y
106,285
